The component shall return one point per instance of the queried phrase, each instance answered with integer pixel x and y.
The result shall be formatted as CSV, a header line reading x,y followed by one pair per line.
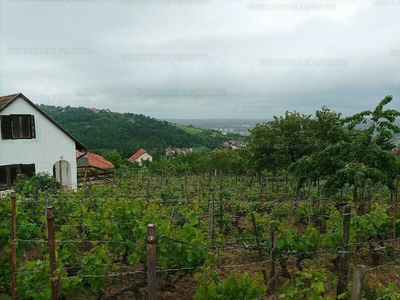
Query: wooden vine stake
x,y
211,216
260,254
52,252
344,255
151,262
13,246
358,282
272,245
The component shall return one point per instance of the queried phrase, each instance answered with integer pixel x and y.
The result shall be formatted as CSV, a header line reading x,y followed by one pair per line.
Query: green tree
x,y
225,160
357,157
114,157
277,144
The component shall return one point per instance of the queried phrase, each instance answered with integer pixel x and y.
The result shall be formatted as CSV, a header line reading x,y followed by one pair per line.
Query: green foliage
x,y
127,133
375,223
355,157
40,182
309,284
226,160
35,283
163,165
101,232
114,157
390,292
236,286
278,143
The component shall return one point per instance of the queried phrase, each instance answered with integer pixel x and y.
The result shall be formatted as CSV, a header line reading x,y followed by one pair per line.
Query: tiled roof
x,y
5,99
96,161
137,155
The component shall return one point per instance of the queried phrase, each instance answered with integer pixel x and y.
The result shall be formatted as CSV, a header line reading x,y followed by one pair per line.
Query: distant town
x,y
225,126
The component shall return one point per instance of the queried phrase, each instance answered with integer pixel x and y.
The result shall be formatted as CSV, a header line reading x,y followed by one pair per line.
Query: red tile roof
x,y
137,155
96,161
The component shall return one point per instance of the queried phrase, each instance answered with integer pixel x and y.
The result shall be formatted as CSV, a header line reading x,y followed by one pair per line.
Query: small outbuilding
x,y
94,169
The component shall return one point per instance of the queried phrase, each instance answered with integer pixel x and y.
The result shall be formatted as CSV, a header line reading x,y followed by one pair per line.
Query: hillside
x,y
105,130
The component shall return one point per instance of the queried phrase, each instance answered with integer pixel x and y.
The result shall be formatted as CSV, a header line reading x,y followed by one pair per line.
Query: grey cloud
x,y
234,40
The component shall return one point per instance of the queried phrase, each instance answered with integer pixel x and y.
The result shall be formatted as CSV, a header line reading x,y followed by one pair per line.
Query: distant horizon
x,y
196,119
213,119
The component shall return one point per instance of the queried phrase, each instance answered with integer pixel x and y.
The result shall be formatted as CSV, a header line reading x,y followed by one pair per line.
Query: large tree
x,y
278,143
358,153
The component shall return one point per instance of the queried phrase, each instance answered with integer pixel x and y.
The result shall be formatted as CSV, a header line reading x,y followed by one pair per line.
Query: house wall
x,y
144,156
50,145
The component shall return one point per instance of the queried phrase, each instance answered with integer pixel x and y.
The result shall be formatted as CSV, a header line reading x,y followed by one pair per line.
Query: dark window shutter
x,y
33,130
6,130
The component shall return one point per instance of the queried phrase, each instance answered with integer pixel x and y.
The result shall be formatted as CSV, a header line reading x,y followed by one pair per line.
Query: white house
x,y
140,156
32,142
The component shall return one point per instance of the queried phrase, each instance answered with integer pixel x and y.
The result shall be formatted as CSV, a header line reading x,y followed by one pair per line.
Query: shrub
x,y
41,182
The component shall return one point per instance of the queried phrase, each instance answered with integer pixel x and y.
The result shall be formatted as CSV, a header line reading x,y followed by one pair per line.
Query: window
x,y
18,127
9,174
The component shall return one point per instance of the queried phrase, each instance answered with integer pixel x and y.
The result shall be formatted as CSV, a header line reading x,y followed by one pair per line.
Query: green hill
x,y
126,133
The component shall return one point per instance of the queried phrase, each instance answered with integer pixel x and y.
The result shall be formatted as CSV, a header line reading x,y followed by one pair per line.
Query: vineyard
x,y
217,236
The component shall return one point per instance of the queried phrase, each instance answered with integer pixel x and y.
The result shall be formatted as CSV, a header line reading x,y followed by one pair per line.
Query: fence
x,y
213,208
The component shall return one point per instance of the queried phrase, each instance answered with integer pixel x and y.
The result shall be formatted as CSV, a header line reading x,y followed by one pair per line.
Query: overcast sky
x,y
202,58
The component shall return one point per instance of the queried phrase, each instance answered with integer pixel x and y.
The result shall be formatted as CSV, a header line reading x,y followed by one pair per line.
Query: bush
x,y
41,182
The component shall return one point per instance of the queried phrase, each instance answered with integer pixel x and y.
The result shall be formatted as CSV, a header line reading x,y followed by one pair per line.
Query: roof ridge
x,y
5,101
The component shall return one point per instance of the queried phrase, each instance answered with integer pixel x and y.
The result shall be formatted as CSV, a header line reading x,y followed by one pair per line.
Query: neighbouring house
x,y
186,150
140,156
177,151
32,142
169,152
172,151
93,169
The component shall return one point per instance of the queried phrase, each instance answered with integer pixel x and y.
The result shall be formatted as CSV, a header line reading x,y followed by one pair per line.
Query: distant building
x,y
177,151
141,156
169,152
233,142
